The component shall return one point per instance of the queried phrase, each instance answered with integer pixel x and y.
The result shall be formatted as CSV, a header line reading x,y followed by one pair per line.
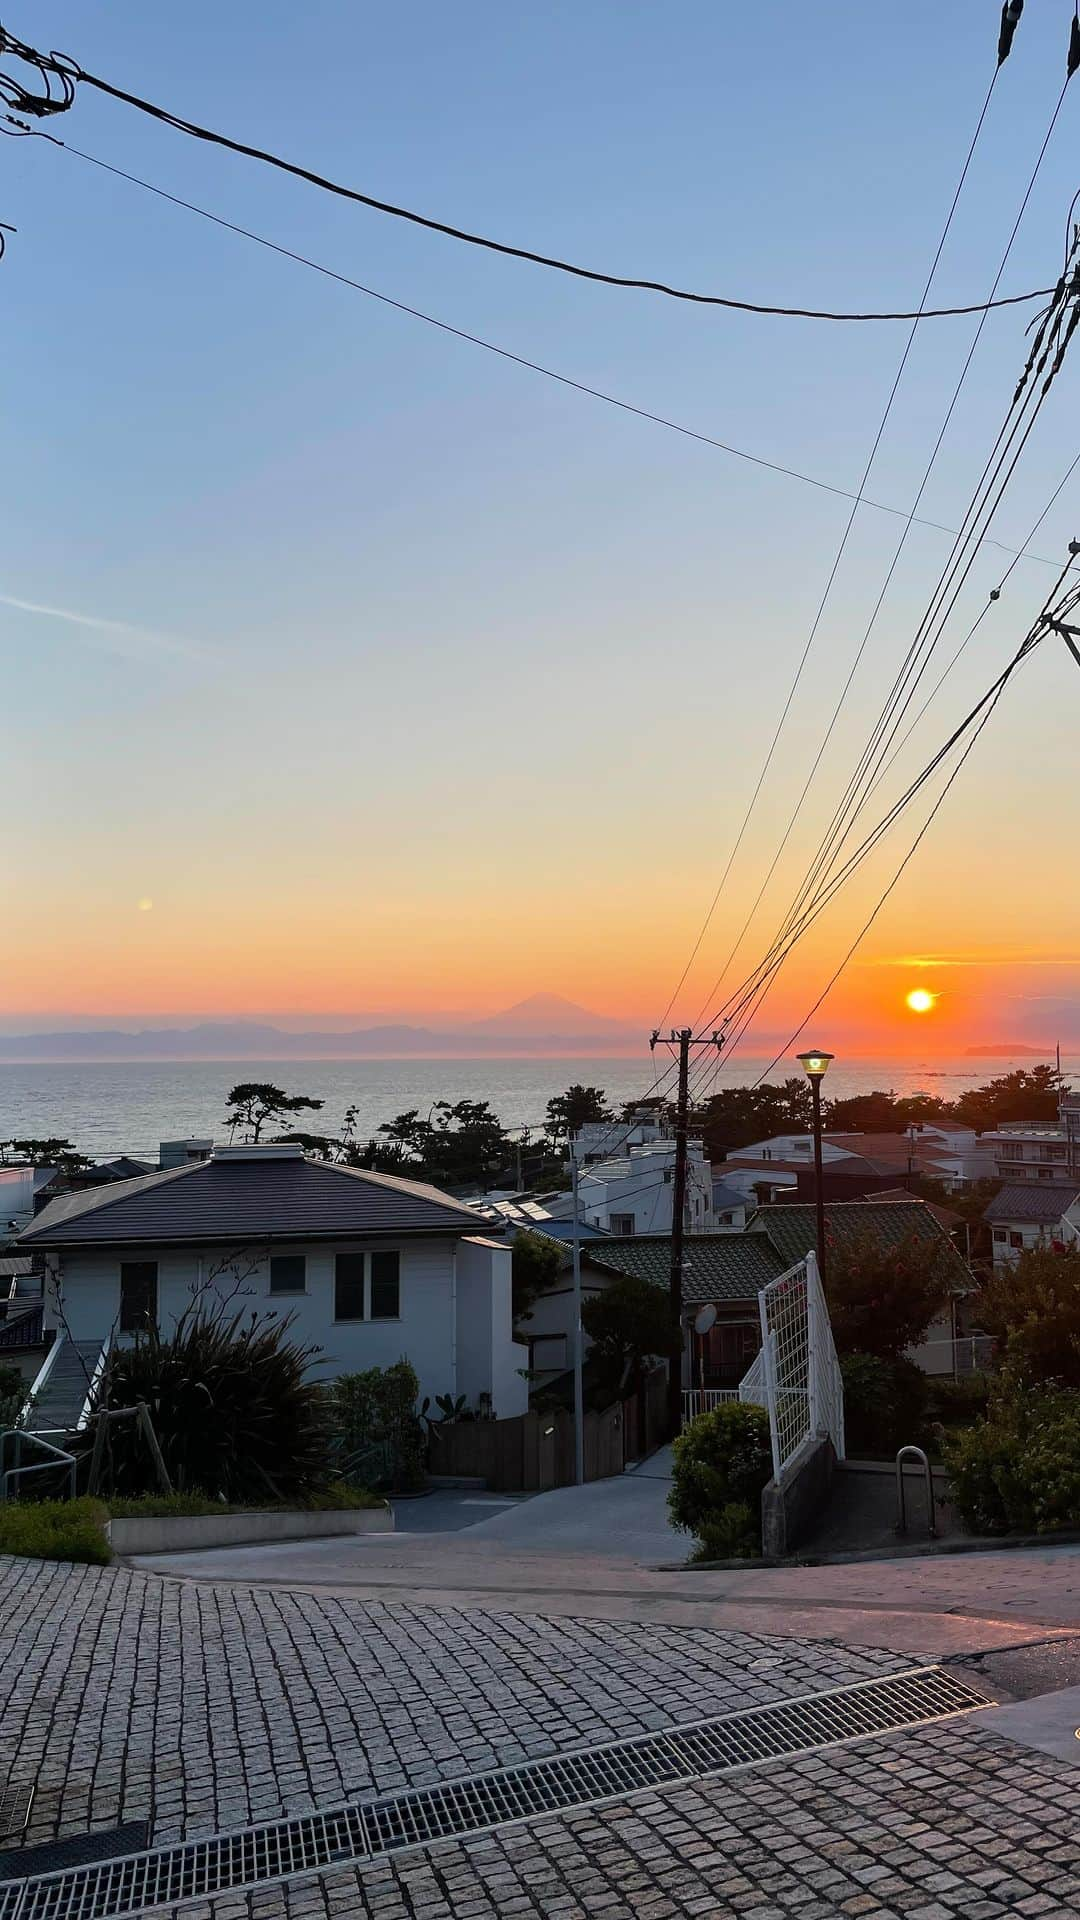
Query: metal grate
x,y
283,1849
15,1805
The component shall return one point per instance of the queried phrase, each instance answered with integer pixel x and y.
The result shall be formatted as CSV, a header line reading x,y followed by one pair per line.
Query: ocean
x,y
106,1108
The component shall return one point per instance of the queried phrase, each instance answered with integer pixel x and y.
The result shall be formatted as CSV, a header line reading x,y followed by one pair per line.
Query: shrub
x,y
236,1414
733,1534
885,1404
378,1408
56,1530
722,1462
956,1403
1018,1470
339,1497
13,1395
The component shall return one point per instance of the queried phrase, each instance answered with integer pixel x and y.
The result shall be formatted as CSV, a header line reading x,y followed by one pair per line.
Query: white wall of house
x,y
489,1360
1029,1153
1011,1238
633,1194
431,1331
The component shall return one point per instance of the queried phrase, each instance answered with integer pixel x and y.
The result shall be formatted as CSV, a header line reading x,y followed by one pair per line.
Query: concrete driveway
x,y
625,1517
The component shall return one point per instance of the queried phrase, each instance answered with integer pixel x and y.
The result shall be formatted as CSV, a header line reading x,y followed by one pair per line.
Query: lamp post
x,y
815,1065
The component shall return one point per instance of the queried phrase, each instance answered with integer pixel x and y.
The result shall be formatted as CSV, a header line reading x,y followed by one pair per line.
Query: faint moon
x,y
145,904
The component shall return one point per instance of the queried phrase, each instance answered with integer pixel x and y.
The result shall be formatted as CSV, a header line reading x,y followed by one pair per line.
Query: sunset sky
x,y
349,667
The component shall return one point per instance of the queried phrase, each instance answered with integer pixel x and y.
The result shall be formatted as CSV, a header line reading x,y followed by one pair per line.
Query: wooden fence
x,y
536,1451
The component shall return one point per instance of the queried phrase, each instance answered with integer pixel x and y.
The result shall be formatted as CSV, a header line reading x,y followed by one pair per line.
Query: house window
x,y
349,1286
1000,1236
138,1295
1012,1151
288,1273
622,1223
367,1286
385,1290
1016,1240
547,1353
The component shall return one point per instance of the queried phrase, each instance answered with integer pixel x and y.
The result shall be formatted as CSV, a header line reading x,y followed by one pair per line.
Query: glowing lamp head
x,y
920,1000
816,1063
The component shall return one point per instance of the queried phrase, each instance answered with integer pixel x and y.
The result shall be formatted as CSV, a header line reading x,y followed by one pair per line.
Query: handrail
x,y
94,1383
915,1453
21,1438
46,1368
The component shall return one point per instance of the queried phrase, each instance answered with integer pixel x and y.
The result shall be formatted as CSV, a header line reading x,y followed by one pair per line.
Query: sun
x,y
920,1000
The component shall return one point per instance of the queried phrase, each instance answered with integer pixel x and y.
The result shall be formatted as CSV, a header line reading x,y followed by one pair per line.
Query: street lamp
x,y
816,1064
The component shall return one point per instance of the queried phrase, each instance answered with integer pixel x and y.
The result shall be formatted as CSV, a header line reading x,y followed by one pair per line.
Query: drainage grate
x,y
282,1849
15,1805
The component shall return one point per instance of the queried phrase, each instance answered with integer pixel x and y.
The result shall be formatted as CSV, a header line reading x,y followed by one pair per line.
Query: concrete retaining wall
x,y
790,1505
176,1533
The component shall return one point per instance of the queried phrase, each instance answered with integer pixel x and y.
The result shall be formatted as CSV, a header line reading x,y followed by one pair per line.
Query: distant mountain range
x,y
544,1023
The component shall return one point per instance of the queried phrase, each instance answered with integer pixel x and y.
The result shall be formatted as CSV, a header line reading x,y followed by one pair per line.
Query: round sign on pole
x,y
705,1319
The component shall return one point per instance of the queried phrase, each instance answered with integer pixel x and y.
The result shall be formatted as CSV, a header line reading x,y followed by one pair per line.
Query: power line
x,y
837,559
925,640
753,995
70,74
517,359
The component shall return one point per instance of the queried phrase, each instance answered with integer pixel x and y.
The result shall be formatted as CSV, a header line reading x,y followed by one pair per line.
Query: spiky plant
x,y
236,1412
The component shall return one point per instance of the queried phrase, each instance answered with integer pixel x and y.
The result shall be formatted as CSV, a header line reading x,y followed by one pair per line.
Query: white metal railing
x,y
697,1400
797,1375
967,1353
58,1457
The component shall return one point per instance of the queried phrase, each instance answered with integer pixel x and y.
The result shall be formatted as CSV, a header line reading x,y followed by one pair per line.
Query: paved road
x,y
203,1691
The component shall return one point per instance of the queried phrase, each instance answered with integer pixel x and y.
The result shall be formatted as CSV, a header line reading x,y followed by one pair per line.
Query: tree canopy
x,y
630,1323
1033,1306
253,1103
50,1151
535,1263
882,1296
578,1107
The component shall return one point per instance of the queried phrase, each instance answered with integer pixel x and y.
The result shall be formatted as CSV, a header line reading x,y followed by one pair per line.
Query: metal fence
x,y
697,1400
796,1375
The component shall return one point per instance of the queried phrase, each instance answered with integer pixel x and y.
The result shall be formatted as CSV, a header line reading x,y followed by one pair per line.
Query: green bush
x,y
956,1403
378,1407
733,1534
1018,1470
339,1497
885,1405
13,1396
56,1530
236,1413
722,1462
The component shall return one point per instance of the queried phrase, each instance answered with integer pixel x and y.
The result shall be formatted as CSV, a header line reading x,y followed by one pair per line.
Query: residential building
x,y
1032,1213
956,1156
369,1268
632,1192
603,1139
19,1187
1030,1151
730,1206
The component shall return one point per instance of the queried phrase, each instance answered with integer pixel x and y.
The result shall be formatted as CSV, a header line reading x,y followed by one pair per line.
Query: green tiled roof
x,y
792,1231
720,1267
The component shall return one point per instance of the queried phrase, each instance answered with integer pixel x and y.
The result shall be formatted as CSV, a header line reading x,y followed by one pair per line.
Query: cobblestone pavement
x,y
944,1824
927,1604
200,1707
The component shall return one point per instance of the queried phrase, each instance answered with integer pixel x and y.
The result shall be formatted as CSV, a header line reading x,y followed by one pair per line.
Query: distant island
x,y
1015,1051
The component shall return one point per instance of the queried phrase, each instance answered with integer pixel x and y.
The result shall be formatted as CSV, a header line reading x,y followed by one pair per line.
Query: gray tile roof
x,y
248,1199
1032,1203
720,1267
793,1230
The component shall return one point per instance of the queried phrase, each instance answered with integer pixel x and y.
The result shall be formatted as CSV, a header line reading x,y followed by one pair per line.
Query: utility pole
x,y
579,1336
684,1039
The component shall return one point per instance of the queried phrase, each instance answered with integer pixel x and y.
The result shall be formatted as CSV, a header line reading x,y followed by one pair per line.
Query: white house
x,y
1030,1214
372,1269
603,1139
632,1192
956,1156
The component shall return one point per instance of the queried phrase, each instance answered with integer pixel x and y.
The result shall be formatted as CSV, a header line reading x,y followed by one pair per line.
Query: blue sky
x,y
440,665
